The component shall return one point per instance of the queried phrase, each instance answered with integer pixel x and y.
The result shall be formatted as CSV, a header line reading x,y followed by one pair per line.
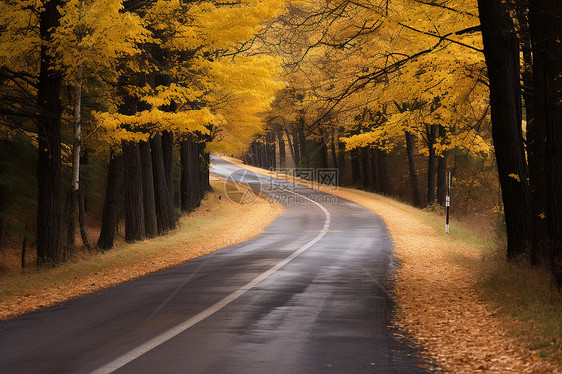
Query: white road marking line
x,y
178,329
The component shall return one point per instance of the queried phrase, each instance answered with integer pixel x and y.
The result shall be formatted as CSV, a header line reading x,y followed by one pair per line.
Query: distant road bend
x,y
309,295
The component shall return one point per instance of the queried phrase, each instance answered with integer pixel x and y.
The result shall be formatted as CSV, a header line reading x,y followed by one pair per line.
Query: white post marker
x,y
448,202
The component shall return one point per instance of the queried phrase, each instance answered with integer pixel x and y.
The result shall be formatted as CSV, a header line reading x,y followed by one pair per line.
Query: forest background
x,y
109,110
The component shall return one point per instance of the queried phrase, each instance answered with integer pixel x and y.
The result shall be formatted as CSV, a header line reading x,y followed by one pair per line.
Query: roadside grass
x,y
471,294
217,223
529,301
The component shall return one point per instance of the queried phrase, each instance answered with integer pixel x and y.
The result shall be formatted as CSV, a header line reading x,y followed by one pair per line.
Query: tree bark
x,y
292,147
134,205
333,150
111,204
343,173
150,225
431,164
82,221
501,51
536,145
413,170
382,172
49,196
168,153
374,180
442,171
165,215
187,181
546,31
282,156
355,167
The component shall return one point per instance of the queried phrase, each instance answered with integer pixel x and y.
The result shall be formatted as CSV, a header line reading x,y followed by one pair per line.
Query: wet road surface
x,y
309,295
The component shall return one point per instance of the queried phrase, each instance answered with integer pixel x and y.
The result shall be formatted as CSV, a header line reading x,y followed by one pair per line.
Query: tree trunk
x,y
134,205
111,204
76,198
324,152
304,157
442,171
365,169
187,176
355,167
546,31
382,172
374,180
164,201
343,173
292,148
168,153
333,150
82,221
196,175
150,225
413,170
296,146
501,51
431,164
536,147
282,157
49,196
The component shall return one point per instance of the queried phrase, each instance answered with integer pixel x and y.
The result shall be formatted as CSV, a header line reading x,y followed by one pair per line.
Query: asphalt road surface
x,y
309,295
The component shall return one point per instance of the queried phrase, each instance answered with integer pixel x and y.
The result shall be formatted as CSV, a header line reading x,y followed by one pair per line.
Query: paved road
x,y
309,295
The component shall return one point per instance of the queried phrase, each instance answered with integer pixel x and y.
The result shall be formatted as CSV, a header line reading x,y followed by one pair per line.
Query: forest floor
x,y
207,229
444,304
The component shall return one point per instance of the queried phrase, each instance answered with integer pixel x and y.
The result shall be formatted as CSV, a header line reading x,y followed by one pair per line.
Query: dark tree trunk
x,y
324,153
501,51
442,171
333,150
165,215
343,174
293,146
413,170
431,164
111,204
196,169
374,180
168,153
536,147
188,176
82,220
545,20
365,169
355,167
382,172
49,195
205,162
150,223
134,205
71,233
303,152
282,157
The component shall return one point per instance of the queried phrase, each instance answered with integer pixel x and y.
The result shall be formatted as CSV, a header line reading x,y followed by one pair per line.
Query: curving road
x,y
309,295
